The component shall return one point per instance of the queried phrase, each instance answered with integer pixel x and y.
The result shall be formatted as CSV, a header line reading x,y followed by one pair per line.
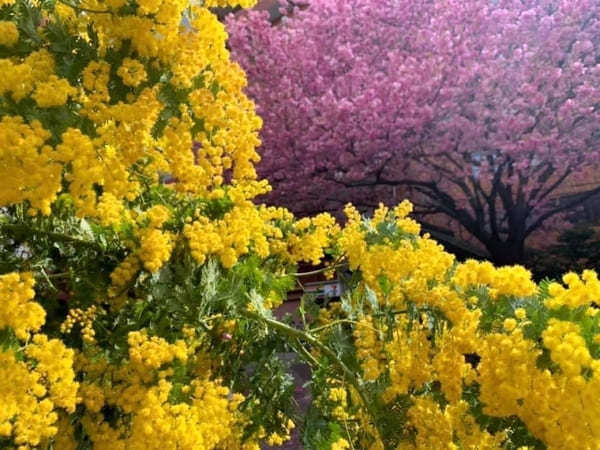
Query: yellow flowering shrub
x,y
116,120
121,121
161,407
138,271
37,380
461,355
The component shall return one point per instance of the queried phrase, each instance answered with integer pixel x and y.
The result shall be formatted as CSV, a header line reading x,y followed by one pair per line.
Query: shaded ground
x,y
301,374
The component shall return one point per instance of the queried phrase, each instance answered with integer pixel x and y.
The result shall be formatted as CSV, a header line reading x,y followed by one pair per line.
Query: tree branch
x,y
569,205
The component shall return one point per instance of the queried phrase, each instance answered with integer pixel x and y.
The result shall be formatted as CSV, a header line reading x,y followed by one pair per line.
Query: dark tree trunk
x,y
507,253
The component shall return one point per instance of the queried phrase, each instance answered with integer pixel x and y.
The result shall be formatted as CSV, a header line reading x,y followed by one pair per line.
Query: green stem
x,y
350,376
309,358
400,311
59,275
336,264
332,324
48,280
315,272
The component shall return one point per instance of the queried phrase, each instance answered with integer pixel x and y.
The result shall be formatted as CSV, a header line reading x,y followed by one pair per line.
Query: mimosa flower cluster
x,y
160,407
37,380
121,122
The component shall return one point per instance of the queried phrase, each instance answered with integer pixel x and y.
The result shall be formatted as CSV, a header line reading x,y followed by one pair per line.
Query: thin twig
x,y
43,271
311,359
315,272
58,275
334,323
333,266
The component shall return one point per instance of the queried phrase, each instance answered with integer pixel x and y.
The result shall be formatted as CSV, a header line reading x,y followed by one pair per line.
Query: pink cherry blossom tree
x,y
480,111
